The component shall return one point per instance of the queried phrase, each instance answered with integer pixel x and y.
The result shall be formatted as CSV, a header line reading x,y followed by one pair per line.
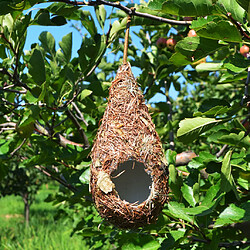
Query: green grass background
x,y
43,233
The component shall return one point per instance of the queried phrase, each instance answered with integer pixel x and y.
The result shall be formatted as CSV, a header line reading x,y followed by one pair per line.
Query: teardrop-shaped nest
x,y
127,133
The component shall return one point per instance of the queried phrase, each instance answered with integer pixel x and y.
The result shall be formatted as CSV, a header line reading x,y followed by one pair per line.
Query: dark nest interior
x,y
128,176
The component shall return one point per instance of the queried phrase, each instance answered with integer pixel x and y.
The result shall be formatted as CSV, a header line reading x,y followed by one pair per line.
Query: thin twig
x,y
79,113
59,123
238,25
128,11
9,43
61,140
11,124
13,90
64,142
220,153
17,80
52,176
79,128
16,149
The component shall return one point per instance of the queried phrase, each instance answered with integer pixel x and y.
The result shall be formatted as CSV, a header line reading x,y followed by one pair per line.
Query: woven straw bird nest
x,y
128,177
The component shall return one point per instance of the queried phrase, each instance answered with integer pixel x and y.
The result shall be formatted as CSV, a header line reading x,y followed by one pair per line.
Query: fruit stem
x,y
125,52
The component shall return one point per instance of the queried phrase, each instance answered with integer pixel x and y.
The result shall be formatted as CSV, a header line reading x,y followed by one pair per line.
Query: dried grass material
x,y
127,133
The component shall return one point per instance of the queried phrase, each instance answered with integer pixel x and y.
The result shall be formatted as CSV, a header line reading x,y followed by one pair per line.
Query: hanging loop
x,y
125,52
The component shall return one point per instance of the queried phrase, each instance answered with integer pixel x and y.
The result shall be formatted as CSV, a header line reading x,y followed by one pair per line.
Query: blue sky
x,y
59,31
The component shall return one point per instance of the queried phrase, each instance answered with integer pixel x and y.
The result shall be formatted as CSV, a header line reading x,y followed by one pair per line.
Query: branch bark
x,y
128,11
14,79
79,128
60,139
49,174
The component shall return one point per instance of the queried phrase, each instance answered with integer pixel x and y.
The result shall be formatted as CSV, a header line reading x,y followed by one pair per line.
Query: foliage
x,y
44,231
52,102
22,182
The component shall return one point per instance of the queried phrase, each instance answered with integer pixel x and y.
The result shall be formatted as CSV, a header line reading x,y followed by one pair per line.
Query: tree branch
x,y
17,80
16,149
79,128
13,90
79,113
238,25
61,140
128,11
49,174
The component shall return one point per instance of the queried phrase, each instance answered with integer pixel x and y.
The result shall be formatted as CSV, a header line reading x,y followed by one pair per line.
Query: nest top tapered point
x,y
128,175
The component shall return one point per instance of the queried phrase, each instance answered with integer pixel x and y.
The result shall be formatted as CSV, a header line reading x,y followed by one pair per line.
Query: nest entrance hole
x,y
132,182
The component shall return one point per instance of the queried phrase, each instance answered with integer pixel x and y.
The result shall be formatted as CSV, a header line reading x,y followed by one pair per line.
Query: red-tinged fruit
x,y
171,42
192,33
244,50
161,43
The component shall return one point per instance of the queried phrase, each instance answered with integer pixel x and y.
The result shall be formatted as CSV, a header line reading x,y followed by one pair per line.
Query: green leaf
x,y
85,176
231,6
156,4
188,7
91,52
48,42
211,194
4,146
65,10
237,140
37,67
231,214
213,112
66,46
178,211
209,203
237,63
209,66
5,7
175,181
208,104
117,27
84,94
7,21
245,4
101,14
58,20
191,128
220,30
138,241
170,156
213,107
191,49
196,191
227,181
188,194
172,238
202,160
88,22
